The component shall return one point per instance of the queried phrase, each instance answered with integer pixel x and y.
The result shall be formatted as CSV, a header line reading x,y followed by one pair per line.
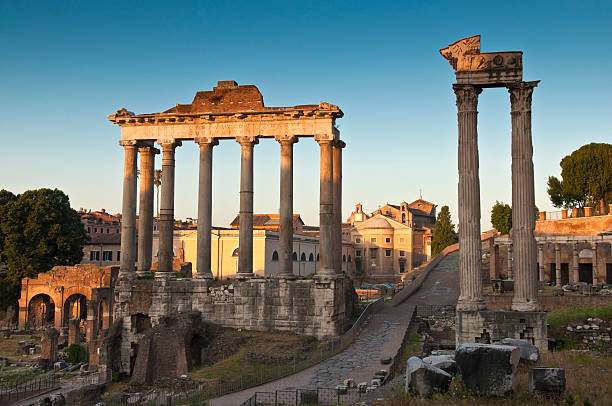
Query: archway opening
x,y
103,315
41,312
75,307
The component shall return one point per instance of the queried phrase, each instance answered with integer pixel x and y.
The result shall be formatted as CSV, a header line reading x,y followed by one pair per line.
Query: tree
x,y
40,231
501,217
444,231
586,178
157,180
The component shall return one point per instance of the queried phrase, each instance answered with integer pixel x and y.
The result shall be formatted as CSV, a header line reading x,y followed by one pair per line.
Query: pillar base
x,y
488,326
288,276
207,275
143,273
164,275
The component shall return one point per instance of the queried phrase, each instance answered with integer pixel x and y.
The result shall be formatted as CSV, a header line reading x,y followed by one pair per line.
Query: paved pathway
x,y
380,338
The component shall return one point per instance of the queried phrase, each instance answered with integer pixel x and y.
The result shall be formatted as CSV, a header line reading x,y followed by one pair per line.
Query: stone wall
x,y
549,302
574,226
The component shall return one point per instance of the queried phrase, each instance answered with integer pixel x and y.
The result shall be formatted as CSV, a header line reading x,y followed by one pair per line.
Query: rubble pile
x,y
592,333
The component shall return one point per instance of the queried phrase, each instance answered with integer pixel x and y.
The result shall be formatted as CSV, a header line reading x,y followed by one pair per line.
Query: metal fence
x,y
22,390
323,396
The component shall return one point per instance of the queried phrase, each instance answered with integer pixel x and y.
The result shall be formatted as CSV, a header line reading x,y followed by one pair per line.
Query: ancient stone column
x,y
326,209
470,280
494,253
145,215
558,265
510,270
575,262
337,203
166,211
286,207
128,211
205,207
48,345
245,245
541,262
523,200
74,331
595,269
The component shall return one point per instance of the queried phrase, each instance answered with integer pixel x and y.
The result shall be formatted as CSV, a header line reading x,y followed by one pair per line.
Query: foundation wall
x,y
549,302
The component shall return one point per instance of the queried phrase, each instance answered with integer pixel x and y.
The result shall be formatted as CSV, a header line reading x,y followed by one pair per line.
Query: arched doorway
x,y
75,307
41,312
103,315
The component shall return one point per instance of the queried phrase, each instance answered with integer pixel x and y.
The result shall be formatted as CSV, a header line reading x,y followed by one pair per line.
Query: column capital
x,y
206,141
520,96
286,139
128,143
324,138
247,140
467,97
169,143
339,144
148,149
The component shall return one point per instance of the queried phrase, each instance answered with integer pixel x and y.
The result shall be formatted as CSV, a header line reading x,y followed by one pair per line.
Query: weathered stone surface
x,y
49,345
487,369
547,380
529,352
424,379
444,362
84,396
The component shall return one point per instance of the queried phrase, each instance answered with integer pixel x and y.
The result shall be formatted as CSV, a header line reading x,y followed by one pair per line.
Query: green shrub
x,y
76,353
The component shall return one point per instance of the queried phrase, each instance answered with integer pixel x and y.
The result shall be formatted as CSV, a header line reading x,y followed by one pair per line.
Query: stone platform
x,y
488,326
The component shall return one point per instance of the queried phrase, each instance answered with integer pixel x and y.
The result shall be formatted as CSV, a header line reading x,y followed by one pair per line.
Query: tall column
x,y
558,265
595,268
510,260
575,262
128,210
493,254
541,262
326,196
523,200
204,207
286,206
166,211
145,212
245,244
470,280
337,203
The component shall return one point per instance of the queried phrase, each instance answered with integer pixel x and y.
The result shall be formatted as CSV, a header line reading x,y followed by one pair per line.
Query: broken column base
x,y
488,326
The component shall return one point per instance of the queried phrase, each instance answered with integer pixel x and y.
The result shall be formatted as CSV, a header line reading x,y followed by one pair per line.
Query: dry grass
x,y
589,382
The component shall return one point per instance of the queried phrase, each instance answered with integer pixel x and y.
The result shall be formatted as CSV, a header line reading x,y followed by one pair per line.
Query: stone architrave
x,y
166,211
286,207
203,261
145,218
128,212
74,331
470,280
326,208
523,200
245,244
337,199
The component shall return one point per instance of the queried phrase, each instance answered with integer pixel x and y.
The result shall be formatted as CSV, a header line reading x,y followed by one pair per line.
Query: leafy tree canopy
x,y
501,217
586,178
444,231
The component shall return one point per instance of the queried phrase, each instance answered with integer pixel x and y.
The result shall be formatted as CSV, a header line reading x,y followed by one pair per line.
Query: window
x,y
343,258
107,230
374,253
117,230
403,217
373,239
311,258
275,256
357,253
95,229
387,240
294,256
303,257
387,253
119,255
349,258
402,253
107,255
89,229
317,257
357,240
94,255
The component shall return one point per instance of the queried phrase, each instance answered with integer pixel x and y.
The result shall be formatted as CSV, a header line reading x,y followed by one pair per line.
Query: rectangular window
x,y
107,255
95,229
118,255
402,253
373,239
357,253
94,255
358,240
387,253
387,240
89,229
373,253
107,230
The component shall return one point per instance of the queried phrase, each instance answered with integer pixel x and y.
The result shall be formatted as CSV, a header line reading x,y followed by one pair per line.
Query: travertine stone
x,y
575,262
128,220
245,245
326,238
510,262
470,297
541,262
523,199
337,201
145,215
49,344
74,331
205,207
558,265
166,211
286,207
595,265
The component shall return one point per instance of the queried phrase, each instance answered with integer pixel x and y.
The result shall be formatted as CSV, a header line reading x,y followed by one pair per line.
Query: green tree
x,y
40,231
501,217
586,178
6,198
444,231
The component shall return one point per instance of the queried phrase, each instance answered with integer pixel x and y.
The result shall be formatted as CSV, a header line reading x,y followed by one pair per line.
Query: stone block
x,y
444,362
529,352
424,379
488,369
547,380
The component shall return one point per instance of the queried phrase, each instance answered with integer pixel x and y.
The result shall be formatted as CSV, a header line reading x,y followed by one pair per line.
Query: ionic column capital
x,y
520,96
467,97
247,140
148,149
286,139
201,141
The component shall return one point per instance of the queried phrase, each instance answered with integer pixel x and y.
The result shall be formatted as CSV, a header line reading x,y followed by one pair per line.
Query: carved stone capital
x,y
206,141
286,139
247,140
128,143
169,144
520,96
324,138
467,97
148,149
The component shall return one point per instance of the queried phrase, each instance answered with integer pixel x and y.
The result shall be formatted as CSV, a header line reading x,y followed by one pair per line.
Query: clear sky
x,y
64,66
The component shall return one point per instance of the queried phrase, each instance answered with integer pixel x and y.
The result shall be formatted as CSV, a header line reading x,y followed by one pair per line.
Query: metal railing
x,y
22,390
295,397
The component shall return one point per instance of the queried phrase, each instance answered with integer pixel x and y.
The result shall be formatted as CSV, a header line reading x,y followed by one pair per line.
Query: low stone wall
x,y
549,302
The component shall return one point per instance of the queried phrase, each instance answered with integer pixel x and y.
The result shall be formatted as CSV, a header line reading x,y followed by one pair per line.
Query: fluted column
x,y
286,207
575,262
510,272
128,211
166,211
337,203
470,280
145,212
558,265
326,196
523,200
541,262
245,244
595,268
204,207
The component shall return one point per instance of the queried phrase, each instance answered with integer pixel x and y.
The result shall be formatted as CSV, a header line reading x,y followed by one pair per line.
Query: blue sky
x,y
66,65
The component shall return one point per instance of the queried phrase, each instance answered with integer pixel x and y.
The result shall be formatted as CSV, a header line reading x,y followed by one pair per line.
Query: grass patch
x,y
561,317
411,348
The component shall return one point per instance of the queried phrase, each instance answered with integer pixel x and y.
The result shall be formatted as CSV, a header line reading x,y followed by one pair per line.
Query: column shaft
x,y
557,265
541,262
205,208
337,203
166,212
595,267
510,260
575,262
128,212
470,279
494,253
145,212
245,245
286,207
326,195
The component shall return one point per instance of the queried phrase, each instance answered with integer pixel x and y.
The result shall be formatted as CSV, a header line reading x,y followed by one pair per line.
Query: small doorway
x,y
609,274
585,273
553,274
564,273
